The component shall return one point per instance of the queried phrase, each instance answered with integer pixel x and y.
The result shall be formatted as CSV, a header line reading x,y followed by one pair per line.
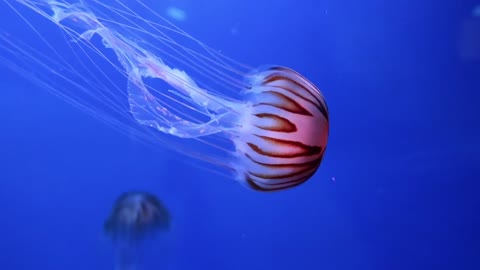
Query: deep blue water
x,y
403,150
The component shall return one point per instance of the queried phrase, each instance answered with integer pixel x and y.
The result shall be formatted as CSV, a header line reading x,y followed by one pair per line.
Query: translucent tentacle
x,y
146,108
126,257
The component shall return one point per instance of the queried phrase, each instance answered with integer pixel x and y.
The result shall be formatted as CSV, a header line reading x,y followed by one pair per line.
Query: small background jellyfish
x,y
135,216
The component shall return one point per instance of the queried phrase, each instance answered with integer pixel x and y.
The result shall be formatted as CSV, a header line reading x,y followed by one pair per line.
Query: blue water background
x,y
403,151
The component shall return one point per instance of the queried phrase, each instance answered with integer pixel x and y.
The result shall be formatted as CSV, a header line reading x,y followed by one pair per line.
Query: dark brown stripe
x,y
275,77
318,104
300,168
286,104
278,177
280,124
305,150
274,166
275,186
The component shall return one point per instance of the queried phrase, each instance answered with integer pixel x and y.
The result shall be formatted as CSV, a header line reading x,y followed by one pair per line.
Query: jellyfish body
x,y
135,216
277,125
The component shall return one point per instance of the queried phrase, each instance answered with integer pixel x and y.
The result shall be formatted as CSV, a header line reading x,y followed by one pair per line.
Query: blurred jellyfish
x,y
268,127
469,39
476,11
176,13
135,216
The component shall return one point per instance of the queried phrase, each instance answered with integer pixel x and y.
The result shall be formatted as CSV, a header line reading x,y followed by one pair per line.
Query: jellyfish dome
x,y
268,127
135,216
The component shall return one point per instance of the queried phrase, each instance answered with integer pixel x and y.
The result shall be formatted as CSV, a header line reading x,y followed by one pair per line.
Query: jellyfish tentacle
x,y
138,64
126,257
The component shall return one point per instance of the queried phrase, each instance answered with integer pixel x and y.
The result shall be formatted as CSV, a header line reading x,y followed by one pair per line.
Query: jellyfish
x,y
135,216
265,127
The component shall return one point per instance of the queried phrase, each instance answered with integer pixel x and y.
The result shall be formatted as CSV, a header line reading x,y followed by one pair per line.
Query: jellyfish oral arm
x,y
148,111
146,108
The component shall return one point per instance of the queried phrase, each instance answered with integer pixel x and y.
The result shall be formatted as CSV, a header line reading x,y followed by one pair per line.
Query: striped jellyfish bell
x,y
284,133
